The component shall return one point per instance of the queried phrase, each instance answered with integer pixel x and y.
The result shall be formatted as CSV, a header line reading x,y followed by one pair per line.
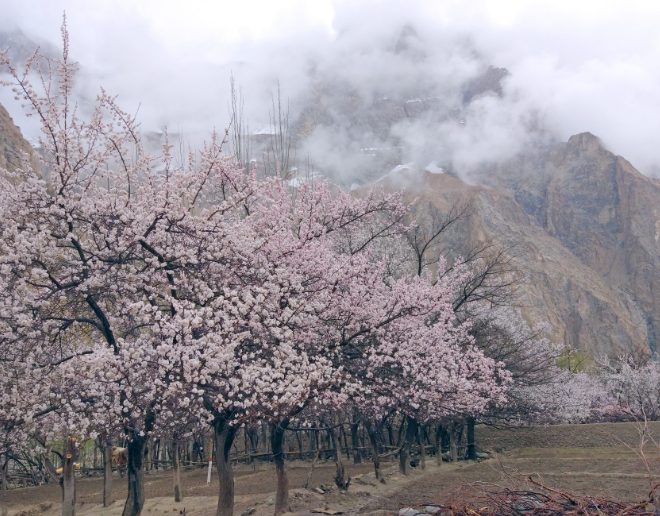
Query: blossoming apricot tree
x,y
136,294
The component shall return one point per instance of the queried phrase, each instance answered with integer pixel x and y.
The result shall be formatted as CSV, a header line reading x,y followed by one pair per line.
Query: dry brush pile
x,y
536,499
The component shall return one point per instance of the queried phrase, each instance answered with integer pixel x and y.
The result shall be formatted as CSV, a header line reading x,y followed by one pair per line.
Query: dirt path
x,y
615,472
89,491
253,489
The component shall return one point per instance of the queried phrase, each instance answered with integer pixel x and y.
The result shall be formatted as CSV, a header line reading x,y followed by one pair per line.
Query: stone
x,y
379,512
249,511
408,511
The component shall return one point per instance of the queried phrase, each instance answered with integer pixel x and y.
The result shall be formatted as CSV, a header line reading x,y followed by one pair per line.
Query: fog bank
x,y
382,75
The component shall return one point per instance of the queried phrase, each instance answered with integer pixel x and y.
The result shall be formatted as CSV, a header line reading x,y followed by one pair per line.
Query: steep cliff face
x,y
584,308
12,143
606,213
601,210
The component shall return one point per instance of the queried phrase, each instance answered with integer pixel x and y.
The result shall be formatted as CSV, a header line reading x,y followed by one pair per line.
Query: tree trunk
x,y
438,445
342,433
373,441
357,453
151,455
224,438
399,438
422,446
459,438
453,447
363,443
195,457
404,453
471,444
163,454
246,446
312,440
69,479
107,475
311,471
254,448
176,471
5,473
52,471
136,450
277,444
341,479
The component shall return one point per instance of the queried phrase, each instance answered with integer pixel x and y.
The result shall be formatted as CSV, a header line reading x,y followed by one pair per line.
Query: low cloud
x,y
353,72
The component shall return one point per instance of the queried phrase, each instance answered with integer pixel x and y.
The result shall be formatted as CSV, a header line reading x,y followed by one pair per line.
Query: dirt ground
x,y
614,471
247,482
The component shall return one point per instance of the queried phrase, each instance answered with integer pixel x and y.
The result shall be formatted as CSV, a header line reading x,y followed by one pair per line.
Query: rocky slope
x,y
12,143
584,309
583,228
604,213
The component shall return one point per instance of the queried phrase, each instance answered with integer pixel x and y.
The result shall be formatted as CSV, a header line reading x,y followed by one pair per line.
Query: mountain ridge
x,y
602,210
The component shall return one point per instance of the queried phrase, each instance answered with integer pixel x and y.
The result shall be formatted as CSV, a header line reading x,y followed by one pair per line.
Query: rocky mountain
x,y
582,227
356,138
577,273
12,143
602,211
580,223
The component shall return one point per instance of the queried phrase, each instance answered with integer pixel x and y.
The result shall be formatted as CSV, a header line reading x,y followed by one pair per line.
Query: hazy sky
x,y
576,65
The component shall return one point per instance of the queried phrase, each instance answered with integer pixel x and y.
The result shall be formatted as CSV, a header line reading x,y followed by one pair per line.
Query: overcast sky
x,y
578,65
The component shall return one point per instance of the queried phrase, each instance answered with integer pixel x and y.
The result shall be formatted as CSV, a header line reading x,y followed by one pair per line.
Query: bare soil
x,y
613,472
609,471
248,483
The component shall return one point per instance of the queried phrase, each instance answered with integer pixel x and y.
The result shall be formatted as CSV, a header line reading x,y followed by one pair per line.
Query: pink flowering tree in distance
x,y
542,391
422,364
633,386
